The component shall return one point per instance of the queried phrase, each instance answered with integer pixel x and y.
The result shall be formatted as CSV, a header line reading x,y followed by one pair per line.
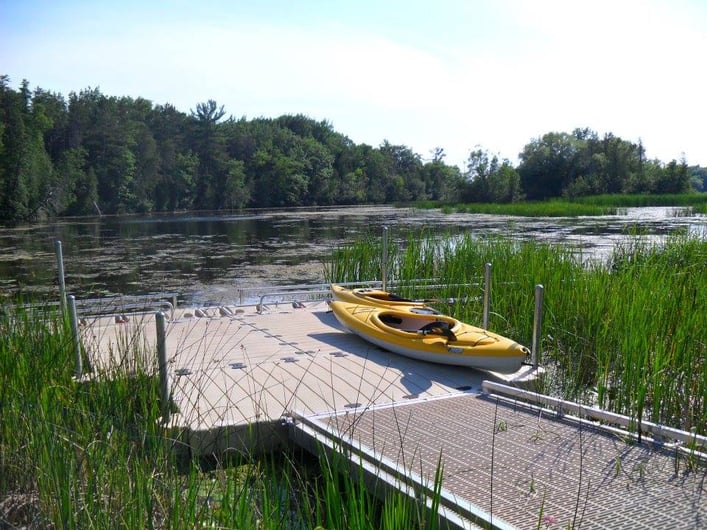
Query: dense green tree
x,y
13,187
548,165
26,170
55,109
182,191
352,186
583,164
168,127
480,166
102,154
320,172
376,168
404,177
504,184
698,178
675,178
488,179
76,191
236,193
442,182
209,144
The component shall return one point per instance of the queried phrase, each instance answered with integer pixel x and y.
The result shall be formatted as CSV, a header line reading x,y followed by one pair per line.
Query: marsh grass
x,y
549,208
593,205
642,200
628,334
93,454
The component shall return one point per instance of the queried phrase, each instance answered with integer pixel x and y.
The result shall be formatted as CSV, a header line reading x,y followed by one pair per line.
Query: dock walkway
x,y
245,380
506,464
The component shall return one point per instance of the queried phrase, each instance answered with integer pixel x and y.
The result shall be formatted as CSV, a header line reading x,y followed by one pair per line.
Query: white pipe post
x,y
60,273
537,325
162,365
384,263
78,363
487,294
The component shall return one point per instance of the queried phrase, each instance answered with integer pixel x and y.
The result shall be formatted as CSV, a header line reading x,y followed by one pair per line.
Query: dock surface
x,y
517,465
242,379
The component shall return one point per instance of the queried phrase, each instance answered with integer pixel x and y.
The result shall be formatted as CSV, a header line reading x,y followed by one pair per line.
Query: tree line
x,y
99,154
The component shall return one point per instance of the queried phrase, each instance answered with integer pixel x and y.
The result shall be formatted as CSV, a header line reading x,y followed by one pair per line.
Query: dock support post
x,y
78,363
60,273
162,364
537,324
487,294
384,262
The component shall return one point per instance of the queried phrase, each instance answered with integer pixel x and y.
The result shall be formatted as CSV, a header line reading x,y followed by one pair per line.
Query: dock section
x,y
237,374
250,378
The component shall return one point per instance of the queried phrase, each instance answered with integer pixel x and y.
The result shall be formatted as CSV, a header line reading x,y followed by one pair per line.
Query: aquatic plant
x,y
549,208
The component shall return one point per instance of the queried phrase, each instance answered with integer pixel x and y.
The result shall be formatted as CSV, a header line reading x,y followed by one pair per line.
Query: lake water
x,y
209,258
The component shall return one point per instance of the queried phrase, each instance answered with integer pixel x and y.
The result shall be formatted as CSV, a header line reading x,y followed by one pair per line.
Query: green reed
x,y
630,332
549,208
92,454
592,205
638,200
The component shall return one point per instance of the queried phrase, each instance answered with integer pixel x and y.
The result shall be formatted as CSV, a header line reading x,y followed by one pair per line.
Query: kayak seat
x,y
439,328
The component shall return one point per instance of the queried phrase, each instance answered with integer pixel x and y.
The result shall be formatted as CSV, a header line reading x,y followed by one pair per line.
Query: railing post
x,y
384,262
487,295
162,364
537,325
78,363
60,273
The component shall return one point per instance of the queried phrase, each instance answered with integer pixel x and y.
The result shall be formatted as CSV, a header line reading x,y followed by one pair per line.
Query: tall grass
x,y
92,455
644,199
593,205
549,208
629,332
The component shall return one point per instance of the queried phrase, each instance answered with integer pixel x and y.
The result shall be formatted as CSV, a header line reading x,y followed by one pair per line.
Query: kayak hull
x,y
431,338
378,298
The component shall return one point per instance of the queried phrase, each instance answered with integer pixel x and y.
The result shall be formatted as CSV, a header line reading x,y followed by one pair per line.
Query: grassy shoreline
x,y
595,205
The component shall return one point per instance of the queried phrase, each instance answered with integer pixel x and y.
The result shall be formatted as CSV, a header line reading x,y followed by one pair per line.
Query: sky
x,y
453,74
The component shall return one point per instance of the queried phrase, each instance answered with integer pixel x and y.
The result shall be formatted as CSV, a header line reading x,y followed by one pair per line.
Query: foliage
x,y
549,208
490,180
581,163
99,154
698,177
104,154
592,205
639,200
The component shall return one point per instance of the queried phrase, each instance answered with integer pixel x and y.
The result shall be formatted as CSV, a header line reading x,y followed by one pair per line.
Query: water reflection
x,y
209,257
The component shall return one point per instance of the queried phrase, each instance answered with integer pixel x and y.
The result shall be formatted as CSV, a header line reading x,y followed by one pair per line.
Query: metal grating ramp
x,y
513,465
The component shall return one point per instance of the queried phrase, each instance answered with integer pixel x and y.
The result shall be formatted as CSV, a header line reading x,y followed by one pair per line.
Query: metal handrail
x,y
584,412
309,292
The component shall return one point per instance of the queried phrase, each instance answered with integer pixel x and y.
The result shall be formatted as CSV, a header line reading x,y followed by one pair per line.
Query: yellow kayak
x,y
379,298
433,338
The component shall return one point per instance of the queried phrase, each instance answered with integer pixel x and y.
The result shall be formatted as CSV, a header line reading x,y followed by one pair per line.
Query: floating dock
x,y
260,378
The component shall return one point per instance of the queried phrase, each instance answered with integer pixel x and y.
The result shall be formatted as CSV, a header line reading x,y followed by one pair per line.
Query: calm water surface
x,y
208,258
